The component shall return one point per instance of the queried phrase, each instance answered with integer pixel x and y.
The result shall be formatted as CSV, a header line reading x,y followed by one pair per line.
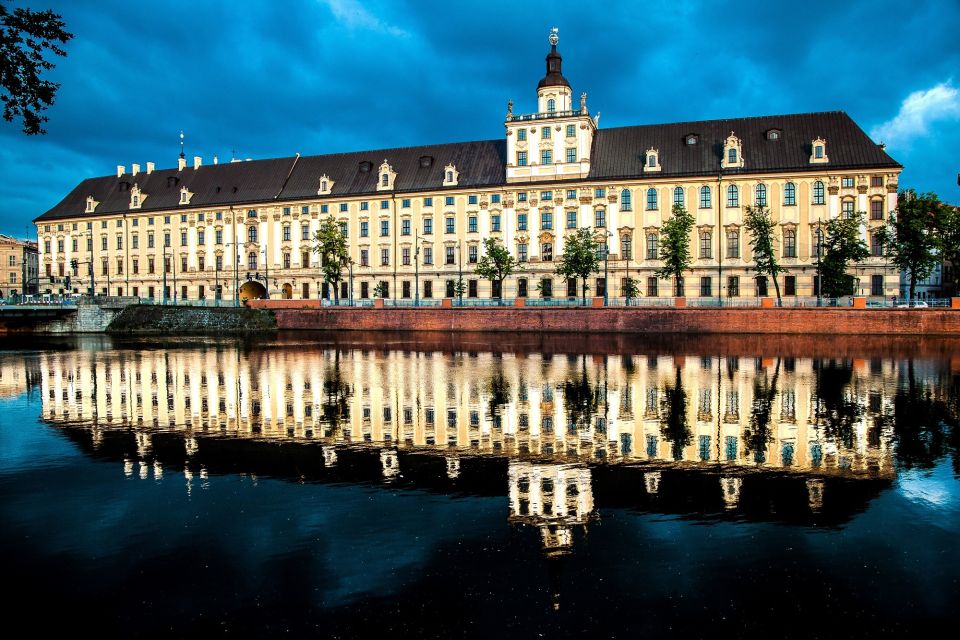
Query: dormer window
x,y
326,185
651,160
185,196
691,139
732,153
773,134
91,205
136,197
818,151
387,176
450,176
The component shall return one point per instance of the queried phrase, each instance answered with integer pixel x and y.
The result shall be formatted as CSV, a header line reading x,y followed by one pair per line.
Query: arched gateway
x,y
251,290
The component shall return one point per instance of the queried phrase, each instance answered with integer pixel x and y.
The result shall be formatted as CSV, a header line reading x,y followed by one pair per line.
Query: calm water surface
x,y
482,486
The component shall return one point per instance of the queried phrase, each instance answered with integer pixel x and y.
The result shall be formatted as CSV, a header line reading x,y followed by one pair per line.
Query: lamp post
x,y
90,263
416,270
164,268
216,289
459,274
819,272
266,269
350,267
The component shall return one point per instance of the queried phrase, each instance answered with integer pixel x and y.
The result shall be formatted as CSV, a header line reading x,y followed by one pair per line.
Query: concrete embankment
x,y
797,321
160,320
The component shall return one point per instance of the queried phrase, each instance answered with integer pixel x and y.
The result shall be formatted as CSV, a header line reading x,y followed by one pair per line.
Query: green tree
x,y
912,237
459,288
496,264
950,246
25,38
331,245
841,246
675,246
581,257
380,291
631,288
674,425
759,223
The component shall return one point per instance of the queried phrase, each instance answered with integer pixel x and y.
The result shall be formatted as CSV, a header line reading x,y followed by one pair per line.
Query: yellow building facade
x,y
416,217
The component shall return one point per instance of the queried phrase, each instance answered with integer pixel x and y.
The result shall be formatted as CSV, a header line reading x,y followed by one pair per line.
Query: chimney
x,y
134,169
150,167
216,160
181,164
120,170
197,161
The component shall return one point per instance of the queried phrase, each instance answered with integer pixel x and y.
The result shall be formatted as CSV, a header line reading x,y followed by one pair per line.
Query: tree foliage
x,y
912,238
380,291
331,245
580,258
675,246
674,424
631,288
26,36
497,263
762,229
841,246
950,246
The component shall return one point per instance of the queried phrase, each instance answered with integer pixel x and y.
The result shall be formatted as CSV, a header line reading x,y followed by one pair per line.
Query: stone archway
x,y
286,291
251,290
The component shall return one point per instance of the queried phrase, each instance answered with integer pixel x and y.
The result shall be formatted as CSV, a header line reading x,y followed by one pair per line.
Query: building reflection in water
x,y
554,418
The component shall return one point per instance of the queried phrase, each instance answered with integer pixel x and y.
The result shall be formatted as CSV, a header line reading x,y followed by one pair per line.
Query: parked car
x,y
917,304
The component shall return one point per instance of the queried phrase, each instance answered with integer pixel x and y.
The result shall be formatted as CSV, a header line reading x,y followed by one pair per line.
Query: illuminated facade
x,y
18,267
415,217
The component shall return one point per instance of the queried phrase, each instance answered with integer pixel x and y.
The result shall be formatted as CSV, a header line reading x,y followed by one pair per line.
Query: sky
x,y
264,79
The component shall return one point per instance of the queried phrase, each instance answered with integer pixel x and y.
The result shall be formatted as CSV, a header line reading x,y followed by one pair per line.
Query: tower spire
x,y
182,156
554,76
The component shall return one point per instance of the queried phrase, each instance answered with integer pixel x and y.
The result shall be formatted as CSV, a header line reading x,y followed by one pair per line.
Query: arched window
x,y
733,243
251,234
789,194
652,249
733,196
678,196
761,199
651,198
705,199
818,192
625,200
817,249
789,243
252,260
731,156
385,180
551,105
652,160
706,244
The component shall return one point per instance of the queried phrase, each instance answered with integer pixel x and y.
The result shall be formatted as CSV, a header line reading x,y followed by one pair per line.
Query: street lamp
x,y
819,272
459,274
606,256
416,267
350,267
164,267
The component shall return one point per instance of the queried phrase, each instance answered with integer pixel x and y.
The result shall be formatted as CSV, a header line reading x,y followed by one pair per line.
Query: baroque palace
x,y
415,217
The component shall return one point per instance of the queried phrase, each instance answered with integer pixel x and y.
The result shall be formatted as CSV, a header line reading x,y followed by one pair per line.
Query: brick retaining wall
x,y
834,321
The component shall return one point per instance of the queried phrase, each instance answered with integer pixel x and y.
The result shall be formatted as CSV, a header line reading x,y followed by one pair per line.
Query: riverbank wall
x,y
634,320
173,320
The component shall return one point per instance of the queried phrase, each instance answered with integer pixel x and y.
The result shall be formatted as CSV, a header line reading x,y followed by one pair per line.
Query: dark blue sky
x,y
267,79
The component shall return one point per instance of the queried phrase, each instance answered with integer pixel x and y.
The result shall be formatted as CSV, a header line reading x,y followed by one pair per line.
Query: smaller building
x,y
19,271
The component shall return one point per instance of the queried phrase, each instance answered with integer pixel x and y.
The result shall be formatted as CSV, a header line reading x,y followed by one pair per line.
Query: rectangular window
x,y
522,196
495,223
166,239
546,195
876,284
876,209
103,243
201,237
364,258
571,131
405,227
571,154
471,199
495,198
521,135
305,232
450,256
286,233
135,242
546,288
450,225
876,181
305,259
472,224
706,245
471,288
572,288
546,220
428,255
427,226
364,289
733,286
217,236
522,252
546,156
384,228
286,211
286,261
344,207
706,287
384,257
183,238
405,289
364,229
599,192
545,133
653,287
384,204
546,252
572,219
448,201
521,222
183,264
790,285
364,206
846,207
405,256
601,218
472,254
405,203
521,158
733,244
847,182
428,289
428,202
324,208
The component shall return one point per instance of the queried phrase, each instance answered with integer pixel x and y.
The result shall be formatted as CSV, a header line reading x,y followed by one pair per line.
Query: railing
x,y
518,117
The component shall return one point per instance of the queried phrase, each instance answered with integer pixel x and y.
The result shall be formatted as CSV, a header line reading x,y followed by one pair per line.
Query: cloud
x,y
351,14
920,109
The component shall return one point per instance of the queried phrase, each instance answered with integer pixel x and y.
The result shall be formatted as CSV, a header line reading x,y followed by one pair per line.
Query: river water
x,y
423,485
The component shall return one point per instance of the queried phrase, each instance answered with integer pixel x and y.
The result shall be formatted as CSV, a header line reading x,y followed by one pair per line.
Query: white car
x,y
917,304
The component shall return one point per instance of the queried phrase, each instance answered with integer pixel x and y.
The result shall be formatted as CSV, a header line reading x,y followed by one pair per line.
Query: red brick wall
x,y
645,321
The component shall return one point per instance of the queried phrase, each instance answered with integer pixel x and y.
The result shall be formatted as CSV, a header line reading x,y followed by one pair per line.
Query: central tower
x,y
553,143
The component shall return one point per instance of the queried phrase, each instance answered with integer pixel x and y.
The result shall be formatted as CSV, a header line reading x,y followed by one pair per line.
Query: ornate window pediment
x,y
387,177
818,151
185,195
651,161
136,197
450,176
326,185
91,205
732,153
